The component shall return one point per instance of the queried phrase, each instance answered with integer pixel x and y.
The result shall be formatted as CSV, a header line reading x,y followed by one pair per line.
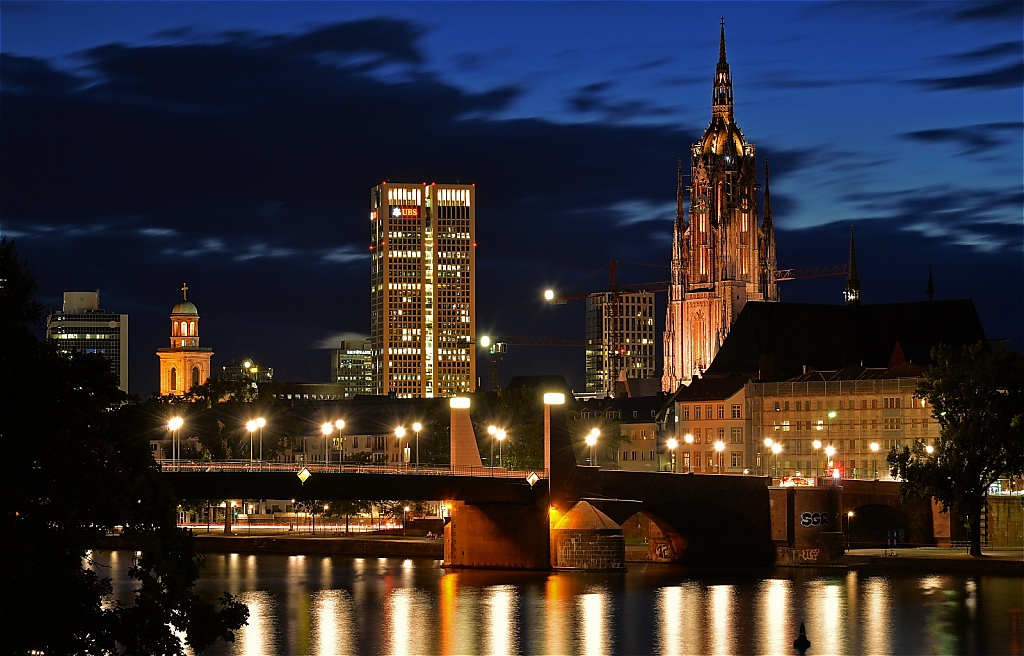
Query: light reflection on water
x,y
340,605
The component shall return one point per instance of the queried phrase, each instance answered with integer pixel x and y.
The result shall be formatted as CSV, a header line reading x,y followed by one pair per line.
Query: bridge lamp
x,y
400,434
416,428
405,513
173,425
252,426
688,438
592,442
720,447
830,451
672,444
874,455
776,449
327,428
500,436
549,294
491,430
459,402
340,425
550,399
260,423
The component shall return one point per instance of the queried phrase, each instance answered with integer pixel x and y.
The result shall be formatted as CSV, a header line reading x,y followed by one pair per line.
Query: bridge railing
x,y
171,466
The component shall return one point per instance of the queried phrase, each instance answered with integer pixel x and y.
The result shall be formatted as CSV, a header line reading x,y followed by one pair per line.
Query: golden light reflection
x,y
298,600
594,625
826,617
449,606
334,626
722,622
406,631
501,621
876,616
558,615
679,610
257,637
775,612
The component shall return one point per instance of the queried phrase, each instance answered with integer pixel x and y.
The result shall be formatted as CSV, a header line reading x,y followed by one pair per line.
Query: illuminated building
x,y
352,367
82,327
723,255
423,289
184,364
619,328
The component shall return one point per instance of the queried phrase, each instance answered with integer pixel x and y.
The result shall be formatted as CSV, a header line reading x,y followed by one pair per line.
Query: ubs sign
x,y
404,212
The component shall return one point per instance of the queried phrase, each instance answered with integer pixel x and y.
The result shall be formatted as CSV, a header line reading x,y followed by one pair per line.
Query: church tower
x,y
722,254
184,365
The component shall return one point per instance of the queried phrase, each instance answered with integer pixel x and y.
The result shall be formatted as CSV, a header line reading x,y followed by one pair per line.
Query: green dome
x,y
185,307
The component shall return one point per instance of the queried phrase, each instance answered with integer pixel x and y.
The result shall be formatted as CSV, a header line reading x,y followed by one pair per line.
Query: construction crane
x,y
497,348
613,307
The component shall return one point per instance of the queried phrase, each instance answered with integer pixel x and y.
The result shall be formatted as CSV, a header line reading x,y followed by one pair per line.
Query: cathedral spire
x,y
852,291
721,104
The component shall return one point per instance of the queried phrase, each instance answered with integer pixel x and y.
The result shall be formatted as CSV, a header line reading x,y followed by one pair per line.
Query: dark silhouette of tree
x,y
977,396
74,468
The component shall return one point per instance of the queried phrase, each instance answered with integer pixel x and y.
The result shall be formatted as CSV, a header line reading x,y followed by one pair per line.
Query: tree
x,y
977,396
74,469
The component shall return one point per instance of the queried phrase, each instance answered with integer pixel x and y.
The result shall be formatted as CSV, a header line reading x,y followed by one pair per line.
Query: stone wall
x,y
589,549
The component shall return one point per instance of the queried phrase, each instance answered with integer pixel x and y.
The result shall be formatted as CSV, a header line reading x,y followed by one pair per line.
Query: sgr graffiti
x,y
814,519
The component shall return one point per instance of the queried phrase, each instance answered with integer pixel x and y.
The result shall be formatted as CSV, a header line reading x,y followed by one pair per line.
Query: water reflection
x,y
337,605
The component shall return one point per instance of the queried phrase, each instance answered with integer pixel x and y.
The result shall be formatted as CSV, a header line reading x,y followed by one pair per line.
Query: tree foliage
x,y
977,396
74,468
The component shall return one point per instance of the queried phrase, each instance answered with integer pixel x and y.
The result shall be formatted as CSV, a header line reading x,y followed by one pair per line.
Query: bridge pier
x,y
498,536
807,524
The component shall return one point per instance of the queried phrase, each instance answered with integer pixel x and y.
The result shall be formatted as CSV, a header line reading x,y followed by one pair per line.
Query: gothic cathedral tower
x,y
184,365
723,255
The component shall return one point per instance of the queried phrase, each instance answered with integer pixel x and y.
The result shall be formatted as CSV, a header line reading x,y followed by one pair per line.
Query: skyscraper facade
x,y
352,367
82,327
620,339
723,254
423,289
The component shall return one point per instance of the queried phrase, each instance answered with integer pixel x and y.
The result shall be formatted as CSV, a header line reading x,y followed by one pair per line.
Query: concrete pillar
x,y
464,449
499,536
813,525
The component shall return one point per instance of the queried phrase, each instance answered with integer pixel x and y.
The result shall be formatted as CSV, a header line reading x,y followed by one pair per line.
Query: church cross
x,y
184,291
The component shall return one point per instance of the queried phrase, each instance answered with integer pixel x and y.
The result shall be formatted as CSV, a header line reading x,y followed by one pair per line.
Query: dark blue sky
x,y
233,146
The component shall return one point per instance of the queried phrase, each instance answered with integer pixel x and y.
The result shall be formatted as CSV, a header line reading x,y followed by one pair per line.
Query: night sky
x,y
232,146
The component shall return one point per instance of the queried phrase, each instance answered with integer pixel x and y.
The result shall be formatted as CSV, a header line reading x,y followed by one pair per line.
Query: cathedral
x,y
723,253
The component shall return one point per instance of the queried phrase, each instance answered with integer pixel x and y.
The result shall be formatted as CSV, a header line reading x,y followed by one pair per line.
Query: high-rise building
x,y
184,364
723,255
620,339
81,326
352,367
423,289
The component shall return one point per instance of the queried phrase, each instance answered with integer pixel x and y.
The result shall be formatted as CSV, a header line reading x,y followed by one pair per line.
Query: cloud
x,y
989,11
971,139
1010,76
593,99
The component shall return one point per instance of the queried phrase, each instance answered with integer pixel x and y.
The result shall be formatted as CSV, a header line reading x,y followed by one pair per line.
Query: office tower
x,y
352,367
722,254
620,339
184,365
423,289
81,326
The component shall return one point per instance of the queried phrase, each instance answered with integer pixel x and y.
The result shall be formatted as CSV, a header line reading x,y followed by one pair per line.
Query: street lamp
x,y
327,428
340,425
929,449
688,438
591,442
416,428
252,427
550,399
672,444
261,422
400,433
817,447
874,458
500,436
405,513
173,425
830,451
776,449
720,447
492,430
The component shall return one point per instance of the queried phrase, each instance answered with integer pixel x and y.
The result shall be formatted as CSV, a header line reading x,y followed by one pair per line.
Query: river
x,y
344,605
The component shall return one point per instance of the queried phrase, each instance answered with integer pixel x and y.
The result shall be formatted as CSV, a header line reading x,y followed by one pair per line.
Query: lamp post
x,y
550,399
340,425
416,428
688,438
500,436
173,425
400,434
776,449
492,430
327,428
817,447
592,442
672,444
720,447
405,514
261,422
252,427
830,451
874,458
